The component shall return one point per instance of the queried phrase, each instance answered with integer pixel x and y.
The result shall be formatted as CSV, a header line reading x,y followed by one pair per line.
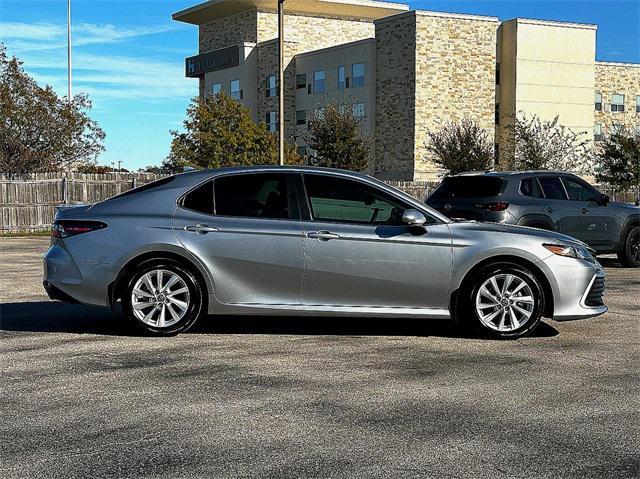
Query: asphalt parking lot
x,y
82,396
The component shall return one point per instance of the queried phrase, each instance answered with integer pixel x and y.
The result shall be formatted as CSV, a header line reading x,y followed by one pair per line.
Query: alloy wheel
x,y
160,298
634,245
505,302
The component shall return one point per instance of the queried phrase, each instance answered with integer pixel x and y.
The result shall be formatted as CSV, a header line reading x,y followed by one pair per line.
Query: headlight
x,y
570,251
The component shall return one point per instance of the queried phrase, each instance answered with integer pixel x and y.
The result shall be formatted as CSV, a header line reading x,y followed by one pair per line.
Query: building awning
x,y
358,9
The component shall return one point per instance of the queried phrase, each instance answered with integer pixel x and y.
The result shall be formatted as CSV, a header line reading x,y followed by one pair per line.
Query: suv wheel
x,y
629,255
503,301
162,298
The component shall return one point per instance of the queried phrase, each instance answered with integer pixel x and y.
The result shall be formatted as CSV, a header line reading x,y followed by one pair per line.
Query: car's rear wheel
x,y
629,255
162,297
503,300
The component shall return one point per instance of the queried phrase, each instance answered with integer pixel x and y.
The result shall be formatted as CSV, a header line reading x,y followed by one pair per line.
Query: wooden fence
x,y
27,202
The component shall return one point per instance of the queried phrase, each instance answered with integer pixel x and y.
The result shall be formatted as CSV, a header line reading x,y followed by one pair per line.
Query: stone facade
x,y
618,78
232,30
432,68
395,97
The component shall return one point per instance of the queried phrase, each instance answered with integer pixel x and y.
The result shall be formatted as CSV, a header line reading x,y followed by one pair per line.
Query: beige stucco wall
x,y
617,78
548,70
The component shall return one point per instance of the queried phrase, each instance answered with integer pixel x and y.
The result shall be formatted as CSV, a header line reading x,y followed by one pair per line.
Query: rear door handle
x,y
550,209
584,211
322,235
200,228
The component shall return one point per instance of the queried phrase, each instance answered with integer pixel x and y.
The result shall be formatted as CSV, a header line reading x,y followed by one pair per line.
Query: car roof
x,y
505,174
276,168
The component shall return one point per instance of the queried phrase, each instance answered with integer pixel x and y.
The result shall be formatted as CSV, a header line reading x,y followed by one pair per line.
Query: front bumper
x,y
578,288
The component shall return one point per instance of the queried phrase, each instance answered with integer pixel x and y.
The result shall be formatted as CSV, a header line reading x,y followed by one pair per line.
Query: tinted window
x,y
468,187
338,199
531,187
258,195
147,187
579,191
552,188
200,199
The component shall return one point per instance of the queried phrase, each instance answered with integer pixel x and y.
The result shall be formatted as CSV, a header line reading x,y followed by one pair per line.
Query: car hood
x,y
516,230
625,207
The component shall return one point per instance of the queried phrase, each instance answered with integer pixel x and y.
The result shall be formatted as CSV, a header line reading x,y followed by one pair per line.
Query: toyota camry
x,y
310,241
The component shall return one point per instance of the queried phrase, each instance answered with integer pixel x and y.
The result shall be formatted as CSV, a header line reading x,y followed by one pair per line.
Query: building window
x,y
236,92
341,78
638,104
497,114
617,102
497,74
301,117
357,75
318,81
598,101
597,132
216,88
301,80
271,86
358,110
272,121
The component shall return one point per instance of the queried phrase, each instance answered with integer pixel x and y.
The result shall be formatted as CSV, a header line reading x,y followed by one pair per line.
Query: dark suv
x,y
550,200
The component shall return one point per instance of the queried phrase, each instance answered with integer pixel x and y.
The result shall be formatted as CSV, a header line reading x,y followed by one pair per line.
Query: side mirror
x,y
604,200
413,217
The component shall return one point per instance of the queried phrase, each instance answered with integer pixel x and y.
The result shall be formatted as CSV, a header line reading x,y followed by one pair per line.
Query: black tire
x,y
195,301
629,254
467,313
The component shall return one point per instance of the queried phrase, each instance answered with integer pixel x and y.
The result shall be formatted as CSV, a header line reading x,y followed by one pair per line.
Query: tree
x,y
545,145
219,132
39,131
618,160
335,139
459,147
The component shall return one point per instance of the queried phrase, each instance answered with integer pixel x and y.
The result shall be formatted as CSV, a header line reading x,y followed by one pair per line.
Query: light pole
x,y
69,51
281,82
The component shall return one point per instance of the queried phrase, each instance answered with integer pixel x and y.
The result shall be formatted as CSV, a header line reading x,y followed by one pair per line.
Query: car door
x,y
359,254
598,226
564,212
246,229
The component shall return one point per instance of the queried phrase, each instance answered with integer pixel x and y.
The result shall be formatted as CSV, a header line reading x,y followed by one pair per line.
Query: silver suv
x,y
550,200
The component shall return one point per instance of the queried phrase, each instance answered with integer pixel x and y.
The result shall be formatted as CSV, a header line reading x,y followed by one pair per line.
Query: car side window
x,y
200,199
253,195
341,200
552,187
579,191
531,187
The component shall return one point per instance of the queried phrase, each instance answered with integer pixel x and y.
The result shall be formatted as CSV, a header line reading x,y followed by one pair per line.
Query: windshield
x,y
468,187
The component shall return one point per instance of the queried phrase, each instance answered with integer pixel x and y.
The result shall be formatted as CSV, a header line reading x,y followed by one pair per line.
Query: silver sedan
x,y
310,241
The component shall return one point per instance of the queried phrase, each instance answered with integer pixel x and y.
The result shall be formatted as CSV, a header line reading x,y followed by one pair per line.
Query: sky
x,y
128,56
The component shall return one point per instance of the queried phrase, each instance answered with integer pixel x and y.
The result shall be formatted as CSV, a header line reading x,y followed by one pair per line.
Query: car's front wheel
x,y
629,255
503,300
163,298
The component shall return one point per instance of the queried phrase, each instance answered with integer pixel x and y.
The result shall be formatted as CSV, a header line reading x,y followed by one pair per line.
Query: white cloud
x,y
47,36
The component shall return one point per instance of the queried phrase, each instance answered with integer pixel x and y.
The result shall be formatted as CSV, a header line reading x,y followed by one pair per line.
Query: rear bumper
x,y
57,294
66,279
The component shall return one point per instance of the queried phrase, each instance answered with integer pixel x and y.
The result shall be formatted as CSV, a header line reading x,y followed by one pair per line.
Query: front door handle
x,y
322,235
584,211
550,209
200,228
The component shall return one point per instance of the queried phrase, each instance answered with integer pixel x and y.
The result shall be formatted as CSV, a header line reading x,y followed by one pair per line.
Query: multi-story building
x,y
407,72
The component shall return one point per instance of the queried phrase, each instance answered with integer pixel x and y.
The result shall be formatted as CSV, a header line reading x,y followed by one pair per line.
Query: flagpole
x,y
69,51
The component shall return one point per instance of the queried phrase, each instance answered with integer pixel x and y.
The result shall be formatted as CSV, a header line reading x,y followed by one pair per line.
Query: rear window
x,y
147,187
468,187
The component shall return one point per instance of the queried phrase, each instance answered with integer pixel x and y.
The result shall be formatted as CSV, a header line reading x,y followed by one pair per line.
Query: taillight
x,y
498,206
66,228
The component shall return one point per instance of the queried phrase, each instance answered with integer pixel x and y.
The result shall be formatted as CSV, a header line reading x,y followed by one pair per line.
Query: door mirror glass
x,y
604,200
413,217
